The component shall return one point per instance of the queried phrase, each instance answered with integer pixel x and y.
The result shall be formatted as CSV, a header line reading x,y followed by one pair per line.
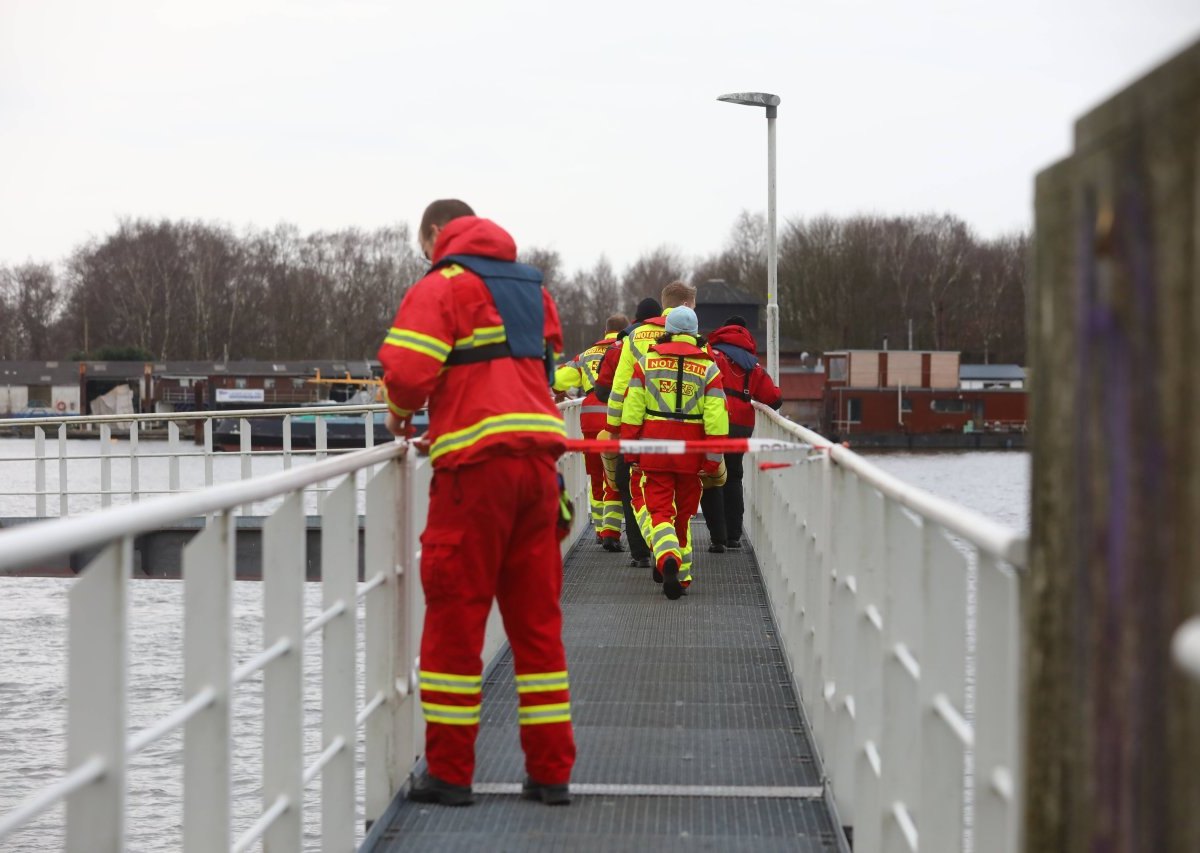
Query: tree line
x,y
188,290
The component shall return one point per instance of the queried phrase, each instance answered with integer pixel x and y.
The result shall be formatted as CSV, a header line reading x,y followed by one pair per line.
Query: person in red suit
x,y
475,337
674,392
582,372
744,380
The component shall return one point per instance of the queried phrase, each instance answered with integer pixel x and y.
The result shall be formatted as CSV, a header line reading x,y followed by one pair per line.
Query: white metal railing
x,y
94,472
899,613
93,783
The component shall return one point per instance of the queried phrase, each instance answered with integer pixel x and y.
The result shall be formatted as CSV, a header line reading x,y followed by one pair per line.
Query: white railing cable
x,y
251,667
320,620
260,826
200,702
313,770
59,536
51,795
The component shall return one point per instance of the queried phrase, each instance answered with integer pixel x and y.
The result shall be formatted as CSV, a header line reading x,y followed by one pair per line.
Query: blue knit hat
x,y
682,321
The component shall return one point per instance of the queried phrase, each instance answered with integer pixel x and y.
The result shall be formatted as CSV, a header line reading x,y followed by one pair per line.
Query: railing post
x,y
287,441
339,577
283,678
173,456
39,470
105,466
135,485
208,451
943,683
96,682
63,486
997,709
245,447
383,639
208,562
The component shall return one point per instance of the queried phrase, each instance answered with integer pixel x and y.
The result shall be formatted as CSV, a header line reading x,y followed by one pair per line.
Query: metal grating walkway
x,y
688,732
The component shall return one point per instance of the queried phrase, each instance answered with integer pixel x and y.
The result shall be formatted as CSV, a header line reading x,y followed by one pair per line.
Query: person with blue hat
x,y
675,392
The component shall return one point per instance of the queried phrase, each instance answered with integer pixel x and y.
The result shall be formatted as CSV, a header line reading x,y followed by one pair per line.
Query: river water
x,y
32,668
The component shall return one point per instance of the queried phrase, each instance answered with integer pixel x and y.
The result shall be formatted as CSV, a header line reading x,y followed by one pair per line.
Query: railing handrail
x,y
216,414
62,535
991,537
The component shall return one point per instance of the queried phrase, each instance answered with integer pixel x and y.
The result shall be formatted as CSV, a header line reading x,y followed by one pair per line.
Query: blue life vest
x,y
517,291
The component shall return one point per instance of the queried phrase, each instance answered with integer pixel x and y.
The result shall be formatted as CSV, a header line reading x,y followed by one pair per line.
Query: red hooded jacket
x,y
744,377
477,410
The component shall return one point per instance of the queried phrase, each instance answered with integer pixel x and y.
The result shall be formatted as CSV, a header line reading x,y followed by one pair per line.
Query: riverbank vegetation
x,y
186,290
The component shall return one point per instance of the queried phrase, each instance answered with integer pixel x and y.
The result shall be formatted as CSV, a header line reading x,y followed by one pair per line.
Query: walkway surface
x,y
688,730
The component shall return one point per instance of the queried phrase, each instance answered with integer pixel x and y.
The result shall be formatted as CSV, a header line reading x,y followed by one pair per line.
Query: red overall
x,y
493,508
582,373
675,393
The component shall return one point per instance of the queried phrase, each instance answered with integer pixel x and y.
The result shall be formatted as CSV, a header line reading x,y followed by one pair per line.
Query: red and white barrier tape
x,y
679,446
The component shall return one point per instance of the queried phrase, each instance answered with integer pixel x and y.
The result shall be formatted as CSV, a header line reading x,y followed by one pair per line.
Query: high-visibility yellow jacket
x,y
637,343
581,372
675,392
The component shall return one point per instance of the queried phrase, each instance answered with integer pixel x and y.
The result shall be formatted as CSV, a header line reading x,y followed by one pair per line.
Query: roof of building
x,y
994,372
332,369
39,373
717,291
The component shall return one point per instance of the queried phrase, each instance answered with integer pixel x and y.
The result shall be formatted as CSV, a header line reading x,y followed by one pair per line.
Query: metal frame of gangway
x,y
898,613
177,449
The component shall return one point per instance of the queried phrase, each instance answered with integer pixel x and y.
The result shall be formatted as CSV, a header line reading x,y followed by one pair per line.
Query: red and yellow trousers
x,y
605,501
664,503
491,535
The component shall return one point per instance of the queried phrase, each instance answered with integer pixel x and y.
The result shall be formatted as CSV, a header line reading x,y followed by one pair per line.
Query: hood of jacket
x,y
472,235
737,344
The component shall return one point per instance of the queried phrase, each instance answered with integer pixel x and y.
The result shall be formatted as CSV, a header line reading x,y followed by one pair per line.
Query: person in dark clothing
x,y
745,380
639,551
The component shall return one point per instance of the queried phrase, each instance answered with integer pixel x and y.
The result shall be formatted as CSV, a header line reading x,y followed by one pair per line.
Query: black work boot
x,y
430,789
551,795
640,562
613,545
735,544
716,548
672,589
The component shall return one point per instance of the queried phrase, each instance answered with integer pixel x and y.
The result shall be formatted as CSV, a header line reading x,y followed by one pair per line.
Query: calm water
x,y
32,653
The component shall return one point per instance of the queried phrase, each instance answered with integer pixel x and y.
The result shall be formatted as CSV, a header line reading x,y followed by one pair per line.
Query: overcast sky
x,y
587,128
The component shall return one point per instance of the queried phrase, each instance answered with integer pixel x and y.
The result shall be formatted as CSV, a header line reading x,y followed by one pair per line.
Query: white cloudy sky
x,y
585,127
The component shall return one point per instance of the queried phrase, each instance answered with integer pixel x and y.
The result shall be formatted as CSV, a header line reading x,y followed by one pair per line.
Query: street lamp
x,y
771,102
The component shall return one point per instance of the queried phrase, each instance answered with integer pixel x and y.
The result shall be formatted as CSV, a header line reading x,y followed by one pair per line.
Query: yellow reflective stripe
x,y
393,408
482,336
447,682
451,715
418,342
451,271
542,682
532,715
514,422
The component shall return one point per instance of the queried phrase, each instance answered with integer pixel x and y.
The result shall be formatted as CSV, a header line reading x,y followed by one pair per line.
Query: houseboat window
x,y
269,383
905,404
837,369
854,410
298,383
239,383
948,406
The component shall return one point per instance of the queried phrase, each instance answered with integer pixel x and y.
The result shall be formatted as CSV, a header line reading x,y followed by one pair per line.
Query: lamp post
x,y
771,102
